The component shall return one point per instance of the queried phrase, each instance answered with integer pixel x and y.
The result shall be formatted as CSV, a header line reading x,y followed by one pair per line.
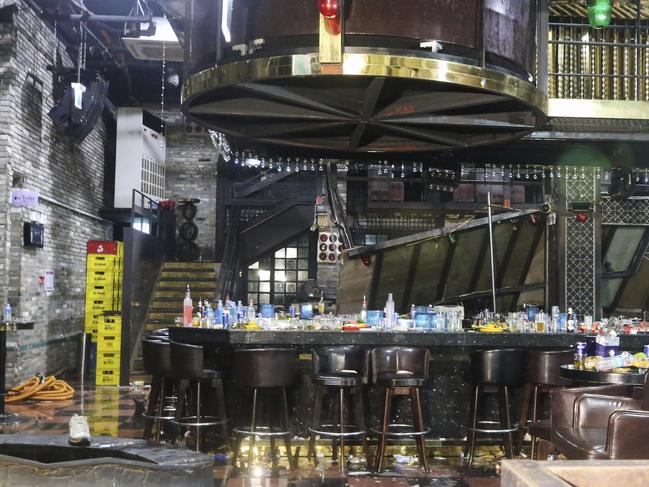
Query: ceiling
x,y
130,79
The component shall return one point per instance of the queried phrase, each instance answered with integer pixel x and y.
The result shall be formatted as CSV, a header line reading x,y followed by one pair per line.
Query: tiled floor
x,y
117,412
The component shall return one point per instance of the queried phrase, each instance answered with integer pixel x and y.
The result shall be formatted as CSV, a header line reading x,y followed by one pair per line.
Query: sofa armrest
x,y
627,435
563,401
594,410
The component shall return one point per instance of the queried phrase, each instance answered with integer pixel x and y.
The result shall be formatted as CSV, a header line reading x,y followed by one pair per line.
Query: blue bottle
x,y
218,315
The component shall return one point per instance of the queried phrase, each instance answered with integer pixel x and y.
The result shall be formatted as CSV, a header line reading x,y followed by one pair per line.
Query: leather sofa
x,y
604,422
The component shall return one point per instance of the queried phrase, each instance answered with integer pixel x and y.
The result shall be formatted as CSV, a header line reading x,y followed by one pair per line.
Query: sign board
x,y
48,286
24,198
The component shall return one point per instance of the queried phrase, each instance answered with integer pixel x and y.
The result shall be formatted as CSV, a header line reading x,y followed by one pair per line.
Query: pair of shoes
x,y
79,431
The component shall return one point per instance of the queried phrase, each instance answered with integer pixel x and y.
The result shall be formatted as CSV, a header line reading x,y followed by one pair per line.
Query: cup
x,y
374,317
267,311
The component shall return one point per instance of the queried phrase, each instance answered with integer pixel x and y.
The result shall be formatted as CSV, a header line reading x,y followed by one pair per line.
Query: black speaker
x,y
74,122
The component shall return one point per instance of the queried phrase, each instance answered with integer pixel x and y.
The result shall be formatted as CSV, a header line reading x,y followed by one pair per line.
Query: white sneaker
x,y
79,431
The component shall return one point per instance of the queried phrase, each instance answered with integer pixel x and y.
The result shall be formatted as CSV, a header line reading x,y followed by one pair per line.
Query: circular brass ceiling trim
x,y
360,64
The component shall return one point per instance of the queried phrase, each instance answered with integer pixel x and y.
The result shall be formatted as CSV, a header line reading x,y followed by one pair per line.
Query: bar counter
x,y
446,397
469,340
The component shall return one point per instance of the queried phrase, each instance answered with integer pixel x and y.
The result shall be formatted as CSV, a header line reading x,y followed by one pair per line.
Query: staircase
x,y
167,301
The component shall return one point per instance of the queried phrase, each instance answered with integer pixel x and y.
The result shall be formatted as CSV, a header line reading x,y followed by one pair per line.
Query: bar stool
x,y
156,358
187,365
541,376
402,371
493,371
264,370
338,370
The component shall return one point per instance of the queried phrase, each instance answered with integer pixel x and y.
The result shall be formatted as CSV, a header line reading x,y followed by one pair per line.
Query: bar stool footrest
x,y
410,431
331,431
158,418
264,431
498,431
194,422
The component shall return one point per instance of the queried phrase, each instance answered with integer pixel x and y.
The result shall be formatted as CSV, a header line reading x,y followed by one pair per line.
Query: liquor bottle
x,y
226,313
251,312
413,312
187,308
218,317
363,316
240,313
570,322
209,315
321,304
389,313
608,363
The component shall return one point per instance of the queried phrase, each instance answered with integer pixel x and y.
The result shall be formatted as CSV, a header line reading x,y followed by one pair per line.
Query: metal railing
x,y
144,212
602,64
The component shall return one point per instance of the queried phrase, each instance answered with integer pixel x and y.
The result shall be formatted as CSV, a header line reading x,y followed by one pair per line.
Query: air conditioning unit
x,y
150,47
140,156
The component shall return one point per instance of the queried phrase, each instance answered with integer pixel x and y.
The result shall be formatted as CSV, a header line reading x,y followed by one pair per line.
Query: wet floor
x,y
116,412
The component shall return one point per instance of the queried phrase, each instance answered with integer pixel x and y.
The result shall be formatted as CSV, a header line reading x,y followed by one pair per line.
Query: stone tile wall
x,y
68,176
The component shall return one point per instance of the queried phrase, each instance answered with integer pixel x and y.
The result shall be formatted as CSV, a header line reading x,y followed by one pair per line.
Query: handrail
x,y
148,206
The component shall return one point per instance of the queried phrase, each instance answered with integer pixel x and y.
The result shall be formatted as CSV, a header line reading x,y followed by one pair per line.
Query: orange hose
x,y
41,389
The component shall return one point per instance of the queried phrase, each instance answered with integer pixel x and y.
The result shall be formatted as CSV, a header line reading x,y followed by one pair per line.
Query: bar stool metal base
x,y
507,428
333,430
416,430
198,422
400,434
339,431
253,430
262,431
496,431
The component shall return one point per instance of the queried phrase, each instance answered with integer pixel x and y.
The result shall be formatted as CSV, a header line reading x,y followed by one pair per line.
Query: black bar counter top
x,y
306,339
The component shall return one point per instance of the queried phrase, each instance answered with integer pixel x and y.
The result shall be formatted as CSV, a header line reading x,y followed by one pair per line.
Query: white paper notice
x,y
49,282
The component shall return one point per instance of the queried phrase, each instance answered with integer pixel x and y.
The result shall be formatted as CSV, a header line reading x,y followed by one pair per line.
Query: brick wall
x,y
69,176
191,171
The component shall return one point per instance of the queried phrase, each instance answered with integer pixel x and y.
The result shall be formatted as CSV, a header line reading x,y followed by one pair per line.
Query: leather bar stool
x,y
187,366
156,358
264,370
339,370
402,371
541,376
493,371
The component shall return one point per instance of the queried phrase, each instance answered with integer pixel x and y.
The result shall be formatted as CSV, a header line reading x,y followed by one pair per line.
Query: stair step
x,y
160,322
175,300
183,266
139,376
182,284
194,275
165,309
171,292
168,315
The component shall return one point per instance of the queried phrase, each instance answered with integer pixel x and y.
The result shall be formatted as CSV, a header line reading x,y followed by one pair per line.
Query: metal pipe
x,y
608,27
84,338
87,17
491,251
